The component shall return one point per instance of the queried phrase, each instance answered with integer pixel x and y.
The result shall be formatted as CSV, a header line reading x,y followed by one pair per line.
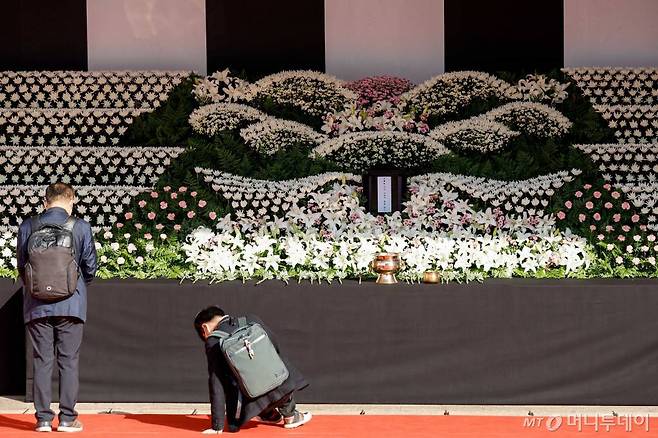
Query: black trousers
x,y
56,338
285,406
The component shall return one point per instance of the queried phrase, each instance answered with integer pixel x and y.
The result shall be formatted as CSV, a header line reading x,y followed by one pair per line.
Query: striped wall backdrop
x,y
348,38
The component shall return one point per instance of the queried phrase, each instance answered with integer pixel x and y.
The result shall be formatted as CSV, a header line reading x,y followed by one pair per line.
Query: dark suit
x,y
224,389
55,329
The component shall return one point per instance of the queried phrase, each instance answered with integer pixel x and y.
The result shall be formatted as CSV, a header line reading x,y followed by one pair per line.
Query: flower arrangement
x,y
84,165
526,198
616,86
211,119
272,134
474,134
531,118
101,206
381,116
221,86
64,127
311,92
359,151
450,93
624,163
260,200
379,88
632,123
539,88
334,238
168,210
644,198
87,89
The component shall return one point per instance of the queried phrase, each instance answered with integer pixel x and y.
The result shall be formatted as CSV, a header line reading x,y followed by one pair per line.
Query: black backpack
x,y
51,272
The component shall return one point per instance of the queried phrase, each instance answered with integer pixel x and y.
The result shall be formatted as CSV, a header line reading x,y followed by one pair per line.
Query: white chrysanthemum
x,y
272,134
211,119
475,134
362,150
531,118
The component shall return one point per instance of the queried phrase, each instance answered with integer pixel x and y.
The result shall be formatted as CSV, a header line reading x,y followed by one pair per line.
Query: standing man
x,y
55,314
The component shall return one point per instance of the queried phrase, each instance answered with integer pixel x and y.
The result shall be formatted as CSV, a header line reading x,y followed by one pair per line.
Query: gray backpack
x,y
250,354
51,272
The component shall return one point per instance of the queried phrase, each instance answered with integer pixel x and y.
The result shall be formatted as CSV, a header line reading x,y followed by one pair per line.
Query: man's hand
x,y
211,432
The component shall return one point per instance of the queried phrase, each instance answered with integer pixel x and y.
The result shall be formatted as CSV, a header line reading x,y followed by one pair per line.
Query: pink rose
x,y
589,205
587,186
626,228
182,189
138,226
609,228
582,217
163,205
151,215
597,217
615,195
148,236
191,214
166,188
607,186
154,195
635,218
616,217
600,237
177,227
608,205
182,204
202,203
212,215
621,238
592,227
626,206
174,195
128,216
141,203
597,195
578,194
193,194
159,227
171,216
561,215
119,225
568,204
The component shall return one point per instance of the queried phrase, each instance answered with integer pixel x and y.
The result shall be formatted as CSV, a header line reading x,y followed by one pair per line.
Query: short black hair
x,y
59,190
206,315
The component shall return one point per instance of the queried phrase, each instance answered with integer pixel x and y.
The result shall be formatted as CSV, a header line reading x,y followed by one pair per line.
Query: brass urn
x,y
385,265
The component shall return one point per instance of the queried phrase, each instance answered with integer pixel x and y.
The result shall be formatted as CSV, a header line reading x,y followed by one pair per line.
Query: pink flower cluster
x,y
375,88
170,207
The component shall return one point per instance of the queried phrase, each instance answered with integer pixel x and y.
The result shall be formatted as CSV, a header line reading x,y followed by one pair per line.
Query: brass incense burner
x,y
385,265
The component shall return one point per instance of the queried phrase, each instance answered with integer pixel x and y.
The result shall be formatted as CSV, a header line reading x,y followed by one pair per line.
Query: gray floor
x,y
14,405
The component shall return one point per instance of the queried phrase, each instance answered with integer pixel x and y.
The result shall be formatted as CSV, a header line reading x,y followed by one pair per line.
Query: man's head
x,y
206,321
59,195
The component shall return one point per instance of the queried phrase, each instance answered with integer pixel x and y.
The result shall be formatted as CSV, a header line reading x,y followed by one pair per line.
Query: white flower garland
x,y
362,150
98,205
80,89
531,118
314,93
211,119
262,200
616,86
85,165
64,127
271,135
474,134
526,197
631,123
449,93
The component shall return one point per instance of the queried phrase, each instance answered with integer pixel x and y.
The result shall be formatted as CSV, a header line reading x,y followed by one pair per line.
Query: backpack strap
x,y
220,334
69,224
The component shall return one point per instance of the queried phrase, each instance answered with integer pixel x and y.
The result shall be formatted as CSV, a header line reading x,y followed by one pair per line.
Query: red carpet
x,y
170,426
